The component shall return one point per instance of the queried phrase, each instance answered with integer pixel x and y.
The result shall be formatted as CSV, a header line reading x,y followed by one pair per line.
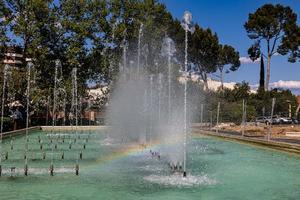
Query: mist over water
x,y
147,107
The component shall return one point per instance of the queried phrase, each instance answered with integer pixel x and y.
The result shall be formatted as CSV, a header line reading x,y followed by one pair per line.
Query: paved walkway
x,y
285,143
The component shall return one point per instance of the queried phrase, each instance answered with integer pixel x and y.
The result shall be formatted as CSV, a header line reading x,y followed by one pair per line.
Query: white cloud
x,y
286,84
281,84
247,60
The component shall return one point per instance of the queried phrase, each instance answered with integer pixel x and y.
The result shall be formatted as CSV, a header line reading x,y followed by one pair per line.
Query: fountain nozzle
x,y
51,169
77,169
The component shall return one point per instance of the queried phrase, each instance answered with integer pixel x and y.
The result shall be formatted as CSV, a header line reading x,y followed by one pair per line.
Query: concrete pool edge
x,y
282,146
50,128
72,128
19,132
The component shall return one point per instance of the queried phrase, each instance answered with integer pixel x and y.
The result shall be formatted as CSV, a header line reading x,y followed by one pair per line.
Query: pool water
x,y
217,169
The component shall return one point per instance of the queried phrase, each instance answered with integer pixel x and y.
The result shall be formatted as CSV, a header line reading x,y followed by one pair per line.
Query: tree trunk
x,y
268,73
204,78
297,111
222,79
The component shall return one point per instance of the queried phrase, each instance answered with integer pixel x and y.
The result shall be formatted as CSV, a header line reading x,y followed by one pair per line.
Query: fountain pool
x,y
218,169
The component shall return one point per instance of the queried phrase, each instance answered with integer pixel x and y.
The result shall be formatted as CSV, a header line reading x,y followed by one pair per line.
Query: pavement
x,y
277,138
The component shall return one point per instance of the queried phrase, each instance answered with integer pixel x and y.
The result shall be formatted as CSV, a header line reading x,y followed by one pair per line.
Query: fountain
x,y
6,74
29,68
170,51
139,49
147,112
74,106
188,27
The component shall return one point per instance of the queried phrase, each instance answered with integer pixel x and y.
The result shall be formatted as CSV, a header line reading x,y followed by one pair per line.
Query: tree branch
x,y
274,43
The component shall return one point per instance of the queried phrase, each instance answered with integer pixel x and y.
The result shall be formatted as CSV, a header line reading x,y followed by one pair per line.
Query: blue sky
x,y
226,18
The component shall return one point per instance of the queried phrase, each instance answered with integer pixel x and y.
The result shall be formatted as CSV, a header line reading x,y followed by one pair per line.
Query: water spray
x,y
188,27
26,168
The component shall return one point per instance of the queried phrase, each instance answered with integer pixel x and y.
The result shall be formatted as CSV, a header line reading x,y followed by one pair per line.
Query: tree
x,y
291,44
262,74
271,26
204,52
228,57
27,22
4,16
128,17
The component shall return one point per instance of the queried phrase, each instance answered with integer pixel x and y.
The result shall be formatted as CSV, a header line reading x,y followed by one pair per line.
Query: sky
x,y
226,18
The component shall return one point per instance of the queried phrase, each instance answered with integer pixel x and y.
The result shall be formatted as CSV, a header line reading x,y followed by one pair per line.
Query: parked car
x,y
295,121
281,120
275,120
263,120
286,120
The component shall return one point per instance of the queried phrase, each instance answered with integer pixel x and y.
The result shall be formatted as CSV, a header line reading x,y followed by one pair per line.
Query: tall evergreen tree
x,y
262,74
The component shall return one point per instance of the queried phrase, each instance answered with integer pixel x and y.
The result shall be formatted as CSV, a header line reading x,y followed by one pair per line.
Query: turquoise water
x,y
217,169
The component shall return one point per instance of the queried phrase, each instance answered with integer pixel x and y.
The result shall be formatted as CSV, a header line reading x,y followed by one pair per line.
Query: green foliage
x,y
274,26
204,51
89,35
258,104
227,57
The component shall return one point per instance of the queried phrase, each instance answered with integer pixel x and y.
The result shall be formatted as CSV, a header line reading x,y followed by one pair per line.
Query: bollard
x,y
6,155
41,146
39,139
83,146
25,156
77,169
63,155
55,146
80,155
44,155
0,170
70,146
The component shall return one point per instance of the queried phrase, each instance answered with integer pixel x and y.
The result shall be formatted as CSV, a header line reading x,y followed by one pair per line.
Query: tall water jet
x,y
64,108
151,108
54,95
124,46
74,106
47,109
160,87
188,27
139,49
218,114
5,77
29,67
168,50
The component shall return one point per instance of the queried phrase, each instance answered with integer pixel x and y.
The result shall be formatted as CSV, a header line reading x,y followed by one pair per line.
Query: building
x,y
13,56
